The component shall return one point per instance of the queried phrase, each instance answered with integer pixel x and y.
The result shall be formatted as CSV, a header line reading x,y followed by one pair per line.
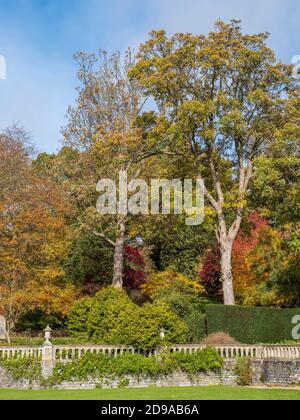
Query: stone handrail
x,y
49,355
69,353
66,354
256,352
20,352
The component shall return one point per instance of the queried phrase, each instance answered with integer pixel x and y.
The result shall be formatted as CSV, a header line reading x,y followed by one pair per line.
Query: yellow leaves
x,y
51,298
234,199
157,282
49,274
261,98
116,147
194,107
55,249
233,123
209,211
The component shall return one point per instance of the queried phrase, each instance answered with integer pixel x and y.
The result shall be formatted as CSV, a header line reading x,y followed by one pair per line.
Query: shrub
x,y
162,281
220,339
251,325
78,317
197,329
112,318
186,300
201,361
153,317
37,320
243,371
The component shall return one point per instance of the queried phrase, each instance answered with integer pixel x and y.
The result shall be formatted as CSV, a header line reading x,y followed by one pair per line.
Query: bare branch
x,y
98,234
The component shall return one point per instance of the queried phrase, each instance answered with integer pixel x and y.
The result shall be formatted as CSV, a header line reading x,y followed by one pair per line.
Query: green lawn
x,y
206,393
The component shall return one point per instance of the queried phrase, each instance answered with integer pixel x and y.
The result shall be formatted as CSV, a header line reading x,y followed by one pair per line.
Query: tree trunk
x,y
8,338
226,268
7,331
119,257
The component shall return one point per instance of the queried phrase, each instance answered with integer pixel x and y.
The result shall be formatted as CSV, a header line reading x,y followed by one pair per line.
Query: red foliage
x,y
244,243
134,272
211,272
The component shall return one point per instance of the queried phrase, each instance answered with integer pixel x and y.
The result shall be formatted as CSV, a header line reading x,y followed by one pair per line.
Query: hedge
x,y
251,325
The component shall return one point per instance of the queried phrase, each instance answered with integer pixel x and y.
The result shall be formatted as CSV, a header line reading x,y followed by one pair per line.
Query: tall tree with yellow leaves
x,y
224,99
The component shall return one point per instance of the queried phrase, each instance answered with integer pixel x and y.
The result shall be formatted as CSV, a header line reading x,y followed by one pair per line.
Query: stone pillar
x,y
48,355
48,360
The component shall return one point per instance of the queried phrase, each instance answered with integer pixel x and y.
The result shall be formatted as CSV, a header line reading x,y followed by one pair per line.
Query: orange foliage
x,y
241,261
33,238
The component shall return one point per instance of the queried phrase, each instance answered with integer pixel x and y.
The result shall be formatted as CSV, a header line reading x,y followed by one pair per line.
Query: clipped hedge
x,y
251,325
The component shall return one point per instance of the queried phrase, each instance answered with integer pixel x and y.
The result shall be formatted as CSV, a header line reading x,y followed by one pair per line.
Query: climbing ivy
x,y
23,369
98,367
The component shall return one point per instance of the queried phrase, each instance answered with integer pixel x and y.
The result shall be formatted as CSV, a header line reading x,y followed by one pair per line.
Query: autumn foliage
x,y
134,272
33,238
244,244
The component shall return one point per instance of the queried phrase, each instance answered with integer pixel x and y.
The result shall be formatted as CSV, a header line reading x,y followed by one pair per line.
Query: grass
x,y
150,394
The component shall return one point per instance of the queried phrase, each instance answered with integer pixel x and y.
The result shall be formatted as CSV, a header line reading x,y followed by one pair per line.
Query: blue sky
x,y
39,37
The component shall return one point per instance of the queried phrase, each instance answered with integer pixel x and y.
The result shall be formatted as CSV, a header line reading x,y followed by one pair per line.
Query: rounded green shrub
x,y
112,318
154,317
78,316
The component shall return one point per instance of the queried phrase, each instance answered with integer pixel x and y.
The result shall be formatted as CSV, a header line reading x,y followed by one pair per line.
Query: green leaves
x,y
112,318
98,367
20,369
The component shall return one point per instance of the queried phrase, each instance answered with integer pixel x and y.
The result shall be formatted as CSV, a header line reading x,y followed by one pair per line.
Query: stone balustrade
x,y
256,352
64,354
20,352
70,353
50,355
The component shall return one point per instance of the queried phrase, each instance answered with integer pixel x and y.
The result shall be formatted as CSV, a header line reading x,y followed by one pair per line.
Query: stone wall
x,y
272,372
265,372
7,382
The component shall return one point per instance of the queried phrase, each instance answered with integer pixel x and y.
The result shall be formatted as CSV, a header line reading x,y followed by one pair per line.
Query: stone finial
x,y
47,332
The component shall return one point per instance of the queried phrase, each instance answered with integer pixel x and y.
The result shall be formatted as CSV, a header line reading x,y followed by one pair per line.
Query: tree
x,y
245,242
33,234
243,246
223,99
276,187
265,265
105,139
273,267
89,262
